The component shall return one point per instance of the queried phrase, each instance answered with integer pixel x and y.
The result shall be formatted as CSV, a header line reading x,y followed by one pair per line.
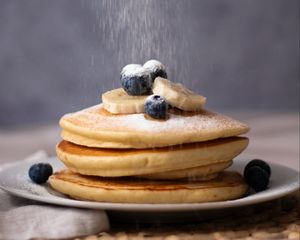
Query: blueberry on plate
x,y
260,163
257,178
136,80
40,172
156,68
156,107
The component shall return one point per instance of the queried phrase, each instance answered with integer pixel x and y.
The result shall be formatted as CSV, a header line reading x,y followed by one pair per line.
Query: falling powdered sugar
x,y
138,30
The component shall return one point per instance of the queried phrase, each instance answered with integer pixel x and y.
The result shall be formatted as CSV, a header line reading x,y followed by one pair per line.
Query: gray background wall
x,y
59,56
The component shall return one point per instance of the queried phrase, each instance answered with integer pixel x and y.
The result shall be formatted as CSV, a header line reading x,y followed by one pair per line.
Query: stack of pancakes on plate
x,y
132,158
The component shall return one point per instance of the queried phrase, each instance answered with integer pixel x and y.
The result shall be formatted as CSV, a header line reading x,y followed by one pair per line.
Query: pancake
x,y
95,127
227,186
127,162
203,173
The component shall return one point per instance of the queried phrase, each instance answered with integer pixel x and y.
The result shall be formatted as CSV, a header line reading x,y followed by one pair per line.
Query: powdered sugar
x,y
174,123
134,70
154,65
93,118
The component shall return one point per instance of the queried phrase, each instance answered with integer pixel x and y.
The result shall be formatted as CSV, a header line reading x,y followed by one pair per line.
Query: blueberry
x,y
260,163
156,68
156,106
136,80
257,178
40,172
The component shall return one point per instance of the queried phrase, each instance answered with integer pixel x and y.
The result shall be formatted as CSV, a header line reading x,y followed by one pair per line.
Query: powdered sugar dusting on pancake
x,y
95,118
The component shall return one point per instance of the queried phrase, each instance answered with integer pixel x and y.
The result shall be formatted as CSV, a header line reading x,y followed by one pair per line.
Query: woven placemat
x,y
279,219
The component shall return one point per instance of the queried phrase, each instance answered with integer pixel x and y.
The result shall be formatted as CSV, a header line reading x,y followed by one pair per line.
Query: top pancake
x,y
95,127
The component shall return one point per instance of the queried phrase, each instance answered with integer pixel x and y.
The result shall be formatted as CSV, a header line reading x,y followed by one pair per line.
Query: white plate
x,y
14,179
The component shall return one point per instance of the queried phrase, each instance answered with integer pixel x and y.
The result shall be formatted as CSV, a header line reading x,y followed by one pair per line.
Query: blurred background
x,y
59,56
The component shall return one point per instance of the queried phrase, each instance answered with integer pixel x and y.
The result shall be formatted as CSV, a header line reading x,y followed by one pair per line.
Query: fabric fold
x,y
25,219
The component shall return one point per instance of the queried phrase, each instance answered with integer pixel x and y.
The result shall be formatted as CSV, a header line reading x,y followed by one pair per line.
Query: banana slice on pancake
x,y
117,101
177,95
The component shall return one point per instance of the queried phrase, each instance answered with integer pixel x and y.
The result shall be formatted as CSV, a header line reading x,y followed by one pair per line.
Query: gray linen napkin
x,y
24,219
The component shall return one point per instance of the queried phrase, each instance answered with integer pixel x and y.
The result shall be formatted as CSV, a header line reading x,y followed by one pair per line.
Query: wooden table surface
x,y
273,137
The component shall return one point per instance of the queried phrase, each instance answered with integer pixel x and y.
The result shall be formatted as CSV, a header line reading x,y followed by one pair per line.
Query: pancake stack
x,y
133,158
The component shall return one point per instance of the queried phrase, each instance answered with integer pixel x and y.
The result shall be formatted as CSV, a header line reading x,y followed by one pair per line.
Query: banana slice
x,y
177,95
118,101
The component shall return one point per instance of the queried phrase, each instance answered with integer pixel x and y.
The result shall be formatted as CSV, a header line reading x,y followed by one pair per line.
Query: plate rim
x,y
143,207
